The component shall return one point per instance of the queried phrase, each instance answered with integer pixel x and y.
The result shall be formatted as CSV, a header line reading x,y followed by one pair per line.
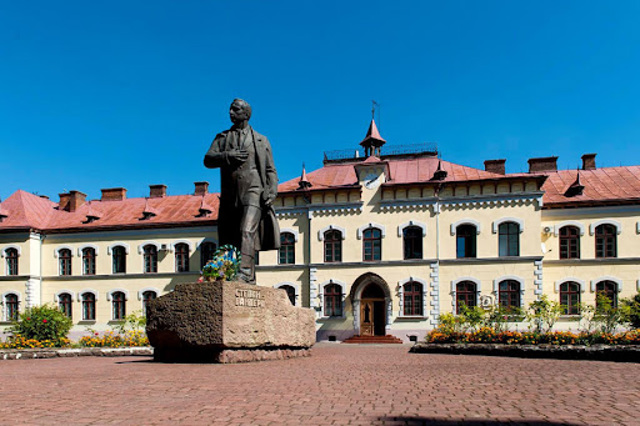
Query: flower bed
x,y
557,338
111,339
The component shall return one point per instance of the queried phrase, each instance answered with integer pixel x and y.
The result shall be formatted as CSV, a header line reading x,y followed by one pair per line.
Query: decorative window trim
x,y
556,228
56,296
146,243
207,240
322,231
6,293
3,252
110,294
142,290
56,252
425,289
454,290
419,224
476,281
475,223
296,287
87,290
176,242
502,220
594,225
496,287
81,249
606,278
114,245
4,300
296,234
363,228
583,285
343,287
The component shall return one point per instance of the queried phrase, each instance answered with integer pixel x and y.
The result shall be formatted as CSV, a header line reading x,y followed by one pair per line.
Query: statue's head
x,y
239,111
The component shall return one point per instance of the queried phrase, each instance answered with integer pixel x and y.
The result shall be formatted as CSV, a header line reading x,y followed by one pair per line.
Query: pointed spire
x,y
205,209
92,214
439,174
304,183
576,188
148,211
372,142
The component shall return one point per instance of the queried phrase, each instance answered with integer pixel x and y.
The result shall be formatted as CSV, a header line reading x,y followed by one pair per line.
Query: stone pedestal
x,y
226,322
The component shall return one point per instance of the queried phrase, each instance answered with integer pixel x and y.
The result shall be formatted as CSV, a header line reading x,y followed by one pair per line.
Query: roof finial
x,y
304,183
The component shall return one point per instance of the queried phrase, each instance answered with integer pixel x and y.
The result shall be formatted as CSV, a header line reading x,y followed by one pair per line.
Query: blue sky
x,y
103,94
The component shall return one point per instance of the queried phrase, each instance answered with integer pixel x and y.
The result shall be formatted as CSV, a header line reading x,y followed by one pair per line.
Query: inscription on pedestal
x,y
249,298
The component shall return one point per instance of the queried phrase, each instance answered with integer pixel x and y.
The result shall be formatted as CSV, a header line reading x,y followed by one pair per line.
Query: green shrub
x,y
43,323
633,310
543,314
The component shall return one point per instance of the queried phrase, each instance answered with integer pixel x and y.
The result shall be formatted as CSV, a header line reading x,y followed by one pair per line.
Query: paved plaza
x,y
339,384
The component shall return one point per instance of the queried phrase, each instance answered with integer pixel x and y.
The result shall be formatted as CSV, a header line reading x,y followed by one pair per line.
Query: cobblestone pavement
x,y
338,384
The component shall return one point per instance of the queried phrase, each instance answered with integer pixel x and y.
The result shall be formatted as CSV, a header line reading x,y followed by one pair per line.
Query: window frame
x,y
287,250
508,231
568,242
150,258
371,241
606,241
181,255
565,291
332,244
118,254
65,304
118,305
65,256
467,234
207,249
417,299
11,302
612,295
88,261
510,294
471,295
12,262
332,300
412,236
88,305
144,297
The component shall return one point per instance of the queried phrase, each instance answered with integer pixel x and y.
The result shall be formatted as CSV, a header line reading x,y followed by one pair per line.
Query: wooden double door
x,y
372,317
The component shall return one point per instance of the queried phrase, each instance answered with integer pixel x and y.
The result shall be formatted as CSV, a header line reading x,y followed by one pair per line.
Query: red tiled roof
x,y
604,185
402,170
25,210
373,133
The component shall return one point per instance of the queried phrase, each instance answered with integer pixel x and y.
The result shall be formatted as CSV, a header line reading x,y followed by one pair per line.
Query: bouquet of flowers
x,y
224,265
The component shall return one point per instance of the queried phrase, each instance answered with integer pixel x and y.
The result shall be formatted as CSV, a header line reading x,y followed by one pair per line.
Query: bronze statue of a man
x,y
249,184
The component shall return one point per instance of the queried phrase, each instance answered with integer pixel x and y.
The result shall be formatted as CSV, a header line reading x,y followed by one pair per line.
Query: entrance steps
x,y
373,339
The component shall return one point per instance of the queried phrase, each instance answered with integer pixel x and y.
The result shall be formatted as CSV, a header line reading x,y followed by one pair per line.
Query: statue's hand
x,y
237,155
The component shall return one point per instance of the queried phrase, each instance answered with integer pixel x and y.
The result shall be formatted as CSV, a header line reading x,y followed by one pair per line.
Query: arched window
x,y
333,246
182,257
11,307
466,295
569,242
466,241
88,261
147,297
12,261
412,298
291,293
412,236
570,297
64,303
119,302
88,306
509,294
150,259
332,300
119,254
608,289
207,251
509,239
606,241
64,257
371,245
287,252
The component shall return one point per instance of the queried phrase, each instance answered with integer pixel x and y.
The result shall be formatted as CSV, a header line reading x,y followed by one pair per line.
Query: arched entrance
x,y
371,305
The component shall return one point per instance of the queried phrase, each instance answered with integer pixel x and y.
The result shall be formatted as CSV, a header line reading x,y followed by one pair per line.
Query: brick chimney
x,y
64,201
113,194
495,166
76,199
543,164
202,188
589,162
157,191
